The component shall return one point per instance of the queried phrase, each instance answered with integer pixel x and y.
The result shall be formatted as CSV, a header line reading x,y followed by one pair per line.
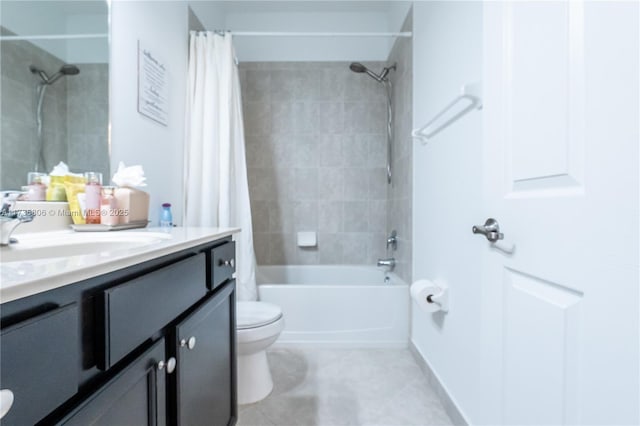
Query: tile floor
x,y
345,387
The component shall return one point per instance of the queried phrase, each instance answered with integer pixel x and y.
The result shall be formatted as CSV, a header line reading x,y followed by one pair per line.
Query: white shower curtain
x,y
216,187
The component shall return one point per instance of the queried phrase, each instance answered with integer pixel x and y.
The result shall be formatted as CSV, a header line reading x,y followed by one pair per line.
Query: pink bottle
x,y
93,196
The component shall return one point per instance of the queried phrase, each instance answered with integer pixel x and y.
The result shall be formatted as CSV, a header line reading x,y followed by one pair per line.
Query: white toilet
x,y
258,324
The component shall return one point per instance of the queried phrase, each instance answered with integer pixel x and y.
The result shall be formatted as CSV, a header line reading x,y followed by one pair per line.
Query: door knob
x,y
490,229
189,343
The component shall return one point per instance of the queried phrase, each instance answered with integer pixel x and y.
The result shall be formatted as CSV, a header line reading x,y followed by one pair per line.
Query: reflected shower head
x,y
66,69
359,68
43,75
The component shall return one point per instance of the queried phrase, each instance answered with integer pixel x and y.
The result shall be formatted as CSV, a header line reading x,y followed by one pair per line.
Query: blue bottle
x,y
166,218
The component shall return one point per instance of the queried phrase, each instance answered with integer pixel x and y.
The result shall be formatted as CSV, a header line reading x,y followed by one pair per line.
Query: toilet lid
x,y
256,314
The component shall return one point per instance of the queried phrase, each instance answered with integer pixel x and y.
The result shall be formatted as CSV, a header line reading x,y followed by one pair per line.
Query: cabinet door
x,y
39,383
206,355
135,396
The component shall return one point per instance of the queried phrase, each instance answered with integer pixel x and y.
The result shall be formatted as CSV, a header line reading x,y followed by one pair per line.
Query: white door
x,y
561,134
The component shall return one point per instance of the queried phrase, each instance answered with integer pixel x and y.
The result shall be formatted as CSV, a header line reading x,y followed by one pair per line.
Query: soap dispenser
x,y
166,218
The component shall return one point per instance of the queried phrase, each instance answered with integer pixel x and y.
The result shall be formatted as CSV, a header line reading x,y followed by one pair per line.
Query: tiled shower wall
x,y
18,135
87,120
75,114
399,195
316,156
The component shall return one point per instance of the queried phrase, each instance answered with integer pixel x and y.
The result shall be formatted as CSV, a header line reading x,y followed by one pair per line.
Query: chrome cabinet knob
x,y
490,229
189,343
6,401
231,263
171,365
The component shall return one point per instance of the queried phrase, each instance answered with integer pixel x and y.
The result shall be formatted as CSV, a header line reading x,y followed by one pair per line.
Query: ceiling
x,y
308,6
306,16
61,18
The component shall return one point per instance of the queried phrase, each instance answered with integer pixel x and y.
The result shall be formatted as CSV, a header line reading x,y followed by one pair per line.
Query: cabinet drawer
x,y
40,383
223,263
137,309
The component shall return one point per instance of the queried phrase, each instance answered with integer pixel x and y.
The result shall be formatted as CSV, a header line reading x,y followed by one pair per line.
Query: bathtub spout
x,y
389,263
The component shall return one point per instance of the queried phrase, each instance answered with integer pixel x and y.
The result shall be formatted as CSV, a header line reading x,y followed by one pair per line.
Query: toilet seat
x,y
251,315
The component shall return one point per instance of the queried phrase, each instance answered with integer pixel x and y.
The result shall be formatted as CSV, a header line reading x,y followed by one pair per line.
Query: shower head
x,y
359,68
66,69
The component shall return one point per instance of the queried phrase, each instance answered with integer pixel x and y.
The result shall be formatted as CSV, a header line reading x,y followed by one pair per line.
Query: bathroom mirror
x,y
55,88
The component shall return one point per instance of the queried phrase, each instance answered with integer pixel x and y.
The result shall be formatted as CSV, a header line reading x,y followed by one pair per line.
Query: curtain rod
x,y
313,34
52,37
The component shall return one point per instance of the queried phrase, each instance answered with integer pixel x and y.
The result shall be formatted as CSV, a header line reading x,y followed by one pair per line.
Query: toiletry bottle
x,y
93,191
36,189
166,218
109,207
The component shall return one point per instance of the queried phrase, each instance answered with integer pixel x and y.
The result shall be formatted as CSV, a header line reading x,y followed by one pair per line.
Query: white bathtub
x,y
337,306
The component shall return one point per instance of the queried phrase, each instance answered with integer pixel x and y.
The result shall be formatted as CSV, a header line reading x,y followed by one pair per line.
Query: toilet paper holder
x,y
430,296
442,299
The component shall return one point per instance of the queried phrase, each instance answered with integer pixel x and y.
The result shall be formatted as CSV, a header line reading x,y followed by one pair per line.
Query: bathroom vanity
x,y
141,335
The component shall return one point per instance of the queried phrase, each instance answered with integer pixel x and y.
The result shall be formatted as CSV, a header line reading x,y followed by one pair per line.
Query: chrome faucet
x,y
10,218
389,263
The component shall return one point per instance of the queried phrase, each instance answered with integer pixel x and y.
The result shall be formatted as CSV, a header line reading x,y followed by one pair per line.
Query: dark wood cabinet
x,y
206,359
38,364
136,396
135,310
107,351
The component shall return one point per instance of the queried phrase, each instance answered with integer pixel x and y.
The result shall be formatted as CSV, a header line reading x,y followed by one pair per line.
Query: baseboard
x,y
449,405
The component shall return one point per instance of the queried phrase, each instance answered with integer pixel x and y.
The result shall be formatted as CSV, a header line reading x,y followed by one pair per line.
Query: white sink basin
x,y
56,245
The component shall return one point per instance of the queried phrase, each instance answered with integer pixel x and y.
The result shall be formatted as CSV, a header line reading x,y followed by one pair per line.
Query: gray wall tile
x,y
75,115
306,184
356,151
331,183
356,183
331,151
330,216
305,215
330,249
356,216
354,246
316,152
399,195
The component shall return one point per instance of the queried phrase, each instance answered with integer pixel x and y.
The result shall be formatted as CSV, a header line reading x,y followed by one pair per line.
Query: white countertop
x,y
25,278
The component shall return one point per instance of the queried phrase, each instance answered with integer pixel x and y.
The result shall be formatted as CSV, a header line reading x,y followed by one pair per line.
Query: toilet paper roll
x,y
420,290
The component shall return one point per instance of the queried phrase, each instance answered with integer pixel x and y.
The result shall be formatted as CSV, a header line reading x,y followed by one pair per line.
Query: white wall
x,y
135,139
447,48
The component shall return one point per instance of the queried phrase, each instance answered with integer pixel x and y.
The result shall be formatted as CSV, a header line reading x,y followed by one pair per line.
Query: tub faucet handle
x,y
392,241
